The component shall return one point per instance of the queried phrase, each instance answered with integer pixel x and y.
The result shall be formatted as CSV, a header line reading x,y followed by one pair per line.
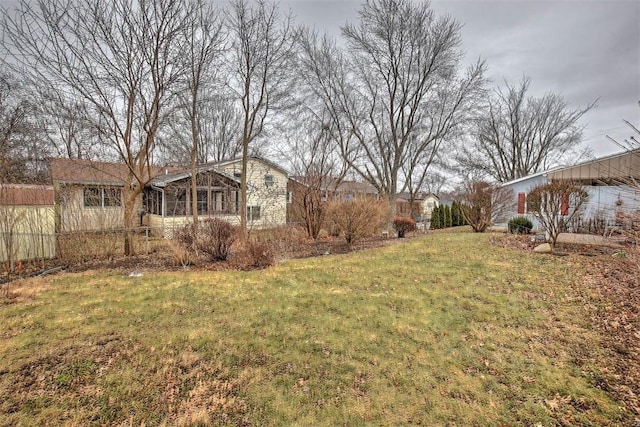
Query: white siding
x,y
269,195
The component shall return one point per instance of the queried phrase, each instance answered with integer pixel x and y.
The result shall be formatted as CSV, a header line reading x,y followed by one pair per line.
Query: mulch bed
x,y
163,260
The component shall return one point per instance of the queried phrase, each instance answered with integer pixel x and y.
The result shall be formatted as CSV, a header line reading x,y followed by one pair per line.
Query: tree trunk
x,y
129,197
243,193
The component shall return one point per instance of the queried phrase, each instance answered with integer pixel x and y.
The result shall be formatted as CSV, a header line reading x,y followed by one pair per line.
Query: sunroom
x,y
167,199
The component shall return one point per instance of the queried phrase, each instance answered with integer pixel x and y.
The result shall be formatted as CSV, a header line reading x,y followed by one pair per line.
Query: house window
x,y
521,203
289,196
253,213
176,202
92,197
203,196
112,196
96,197
268,180
153,202
218,201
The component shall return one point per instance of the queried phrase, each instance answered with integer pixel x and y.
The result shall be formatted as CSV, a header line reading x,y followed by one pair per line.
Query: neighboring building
x,y
349,190
612,182
89,194
168,197
517,191
423,205
27,222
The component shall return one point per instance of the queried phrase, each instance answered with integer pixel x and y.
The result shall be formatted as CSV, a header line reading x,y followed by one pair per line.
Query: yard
x,y
444,329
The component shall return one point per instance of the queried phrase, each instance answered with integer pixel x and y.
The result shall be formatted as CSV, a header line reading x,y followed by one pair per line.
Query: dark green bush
x,y
435,218
520,225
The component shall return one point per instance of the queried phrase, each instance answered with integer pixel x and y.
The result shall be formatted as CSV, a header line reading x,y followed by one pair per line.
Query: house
x,y
167,197
27,223
423,205
516,192
89,194
612,182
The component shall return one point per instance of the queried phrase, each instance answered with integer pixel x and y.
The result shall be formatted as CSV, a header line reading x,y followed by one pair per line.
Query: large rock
x,y
544,248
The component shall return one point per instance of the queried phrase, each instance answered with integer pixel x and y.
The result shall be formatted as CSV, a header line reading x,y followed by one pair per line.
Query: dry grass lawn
x,y
445,329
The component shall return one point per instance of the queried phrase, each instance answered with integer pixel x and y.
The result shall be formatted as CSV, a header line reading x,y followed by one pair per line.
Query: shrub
x,y
555,205
260,255
447,216
481,202
403,225
520,225
435,218
253,255
356,219
213,237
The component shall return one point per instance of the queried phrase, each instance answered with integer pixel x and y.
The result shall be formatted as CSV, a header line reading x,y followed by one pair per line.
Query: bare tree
x,y
219,127
631,144
12,121
21,151
399,95
63,124
317,167
204,49
555,204
520,135
262,46
120,59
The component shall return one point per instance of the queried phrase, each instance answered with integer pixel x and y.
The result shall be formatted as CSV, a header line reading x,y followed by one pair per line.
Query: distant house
x,y
423,205
348,190
612,182
27,222
89,194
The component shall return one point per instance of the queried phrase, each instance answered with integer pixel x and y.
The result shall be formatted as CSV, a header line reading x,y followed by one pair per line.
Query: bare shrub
x,y
403,225
181,254
481,202
555,204
253,255
213,237
260,254
282,240
632,235
356,219
80,246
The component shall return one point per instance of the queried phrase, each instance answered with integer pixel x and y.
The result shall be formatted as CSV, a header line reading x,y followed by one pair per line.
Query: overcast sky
x,y
583,50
